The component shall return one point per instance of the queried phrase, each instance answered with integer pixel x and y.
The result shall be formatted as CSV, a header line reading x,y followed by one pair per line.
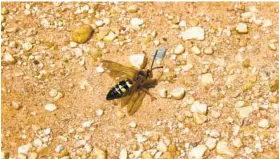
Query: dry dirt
x,y
236,82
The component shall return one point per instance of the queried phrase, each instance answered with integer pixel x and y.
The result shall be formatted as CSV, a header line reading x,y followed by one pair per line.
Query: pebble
x,y
87,124
100,69
162,147
163,92
9,58
207,79
132,124
4,11
193,33
53,92
195,50
272,46
82,34
17,105
132,9
178,93
211,143
197,107
208,51
99,23
138,60
21,156
264,123
110,37
242,28
123,154
73,44
136,21
197,152
267,23
222,148
182,23
27,46
199,118
100,153
244,112
99,112
58,96
59,148
179,49
50,107
237,142
33,155
24,149
120,114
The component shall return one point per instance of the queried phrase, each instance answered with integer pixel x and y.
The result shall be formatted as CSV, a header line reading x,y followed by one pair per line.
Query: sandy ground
x,y
242,113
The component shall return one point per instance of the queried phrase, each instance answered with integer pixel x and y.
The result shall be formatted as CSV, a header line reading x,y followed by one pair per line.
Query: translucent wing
x,y
135,102
119,71
125,100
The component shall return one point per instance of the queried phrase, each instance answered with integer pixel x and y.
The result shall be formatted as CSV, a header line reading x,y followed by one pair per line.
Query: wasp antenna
x,y
157,67
153,60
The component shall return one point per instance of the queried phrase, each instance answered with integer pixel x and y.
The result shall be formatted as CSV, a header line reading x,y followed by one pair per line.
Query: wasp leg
x,y
148,93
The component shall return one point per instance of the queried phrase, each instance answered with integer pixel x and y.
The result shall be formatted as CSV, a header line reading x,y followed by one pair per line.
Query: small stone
x,y
267,23
99,112
53,92
100,153
21,156
146,155
247,15
24,149
239,104
178,93
100,69
27,46
120,114
264,123
132,9
87,124
182,23
162,147
193,33
17,105
208,51
99,23
237,142
136,21
199,118
133,124
138,60
33,155
242,28
59,148
8,59
211,143
82,34
156,42
222,148
179,49
50,107
73,44
197,107
163,92
63,153
123,154
244,112
197,152
195,50
58,96
272,46
207,79
110,37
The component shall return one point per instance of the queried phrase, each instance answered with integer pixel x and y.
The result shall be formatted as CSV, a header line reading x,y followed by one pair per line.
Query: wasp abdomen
x,y
119,90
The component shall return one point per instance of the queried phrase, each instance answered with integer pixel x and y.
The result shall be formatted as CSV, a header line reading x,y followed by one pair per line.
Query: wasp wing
x,y
135,102
125,100
119,71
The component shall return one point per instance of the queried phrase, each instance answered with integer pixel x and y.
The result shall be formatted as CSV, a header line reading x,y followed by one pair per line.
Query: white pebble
x,y
222,148
132,124
163,92
99,112
99,23
53,92
193,33
87,124
179,49
178,93
197,107
197,152
207,79
123,154
100,69
242,28
195,50
24,149
211,143
73,44
162,147
27,46
237,142
244,112
8,58
78,52
137,60
59,148
136,21
264,123
50,107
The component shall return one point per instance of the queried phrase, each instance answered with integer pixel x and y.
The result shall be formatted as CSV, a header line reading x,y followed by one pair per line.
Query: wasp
x,y
133,84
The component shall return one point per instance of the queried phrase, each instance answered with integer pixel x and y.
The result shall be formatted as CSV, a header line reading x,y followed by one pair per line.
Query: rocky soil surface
x,y
217,98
